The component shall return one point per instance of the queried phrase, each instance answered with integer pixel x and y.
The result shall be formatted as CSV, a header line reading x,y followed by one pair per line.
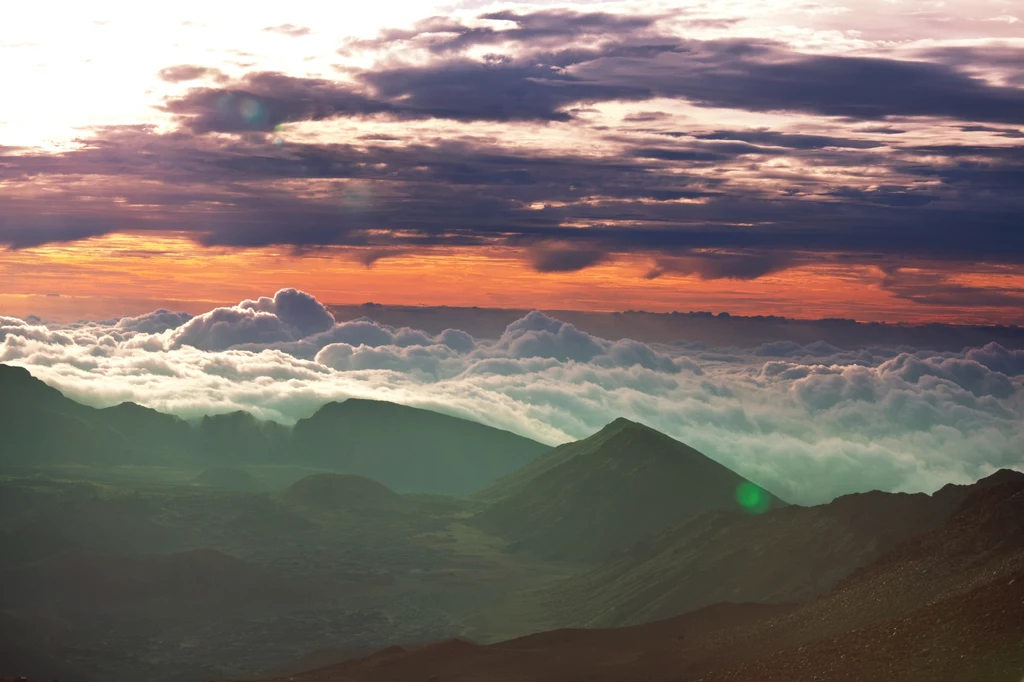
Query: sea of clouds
x,y
808,422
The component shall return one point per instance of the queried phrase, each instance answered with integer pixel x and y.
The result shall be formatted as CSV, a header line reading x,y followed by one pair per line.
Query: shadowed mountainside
x,y
585,499
944,606
408,449
787,555
140,546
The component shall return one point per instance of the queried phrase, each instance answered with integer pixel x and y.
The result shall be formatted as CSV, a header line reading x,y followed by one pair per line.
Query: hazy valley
x,y
140,546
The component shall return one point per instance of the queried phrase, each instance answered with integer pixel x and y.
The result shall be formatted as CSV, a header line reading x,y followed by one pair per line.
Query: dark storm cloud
x,y
721,74
933,288
751,75
1002,56
261,101
22,230
709,201
463,193
369,257
886,196
462,90
467,90
564,259
712,265
669,154
774,138
769,77
882,130
615,58
1001,132
646,117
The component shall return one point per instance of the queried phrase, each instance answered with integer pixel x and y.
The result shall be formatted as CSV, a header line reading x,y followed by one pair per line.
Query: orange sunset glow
x,y
131,274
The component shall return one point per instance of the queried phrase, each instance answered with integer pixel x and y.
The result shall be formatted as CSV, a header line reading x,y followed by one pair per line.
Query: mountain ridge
x,y
791,554
585,499
410,449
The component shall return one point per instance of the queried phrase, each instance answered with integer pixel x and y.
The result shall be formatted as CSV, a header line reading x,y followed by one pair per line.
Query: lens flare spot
x,y
752,499
251,110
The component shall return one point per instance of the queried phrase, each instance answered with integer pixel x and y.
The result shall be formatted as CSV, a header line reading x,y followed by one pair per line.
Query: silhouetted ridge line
x,y
406,448
604,493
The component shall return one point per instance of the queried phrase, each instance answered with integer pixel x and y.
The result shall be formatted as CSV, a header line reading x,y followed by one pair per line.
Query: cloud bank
x,y
808,421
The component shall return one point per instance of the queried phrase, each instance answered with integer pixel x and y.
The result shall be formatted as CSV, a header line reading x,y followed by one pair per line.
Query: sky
x,y
854,158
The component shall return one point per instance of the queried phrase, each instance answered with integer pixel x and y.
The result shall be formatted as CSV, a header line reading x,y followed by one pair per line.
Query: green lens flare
x,y
753,499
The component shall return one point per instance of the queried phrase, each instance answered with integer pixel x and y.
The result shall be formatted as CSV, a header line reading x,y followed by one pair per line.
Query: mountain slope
x,y
944,606
40,425
786,555
405,448
604,493
409,449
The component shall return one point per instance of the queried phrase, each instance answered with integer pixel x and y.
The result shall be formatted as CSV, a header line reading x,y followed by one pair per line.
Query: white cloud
x,y
809,422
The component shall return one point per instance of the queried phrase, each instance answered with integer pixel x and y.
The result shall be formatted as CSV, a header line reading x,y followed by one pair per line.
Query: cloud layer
x,y
808,421
716,143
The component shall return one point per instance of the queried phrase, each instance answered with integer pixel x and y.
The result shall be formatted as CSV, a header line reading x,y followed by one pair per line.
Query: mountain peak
x,y
621,424
13,372
18,383
411,449
604,493
363,404
12,375
1000,477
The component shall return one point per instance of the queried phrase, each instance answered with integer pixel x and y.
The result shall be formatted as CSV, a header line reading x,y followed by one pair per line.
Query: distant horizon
x,y
812,409
198,306
197,420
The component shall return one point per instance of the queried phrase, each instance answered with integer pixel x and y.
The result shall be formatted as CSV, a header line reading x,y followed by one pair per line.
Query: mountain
x,y
39,425
586,499
787,555
343,492
405,448
946,605
409,449
238,437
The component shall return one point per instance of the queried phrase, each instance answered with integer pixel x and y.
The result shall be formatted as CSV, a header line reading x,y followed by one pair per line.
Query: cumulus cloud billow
x,y
809,421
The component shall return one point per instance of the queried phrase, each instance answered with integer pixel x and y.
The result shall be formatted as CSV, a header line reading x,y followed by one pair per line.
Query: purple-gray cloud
x,y
708,201
189,72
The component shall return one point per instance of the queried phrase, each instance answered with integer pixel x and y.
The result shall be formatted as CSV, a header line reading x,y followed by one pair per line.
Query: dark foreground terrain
x,y
945,605
136,546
